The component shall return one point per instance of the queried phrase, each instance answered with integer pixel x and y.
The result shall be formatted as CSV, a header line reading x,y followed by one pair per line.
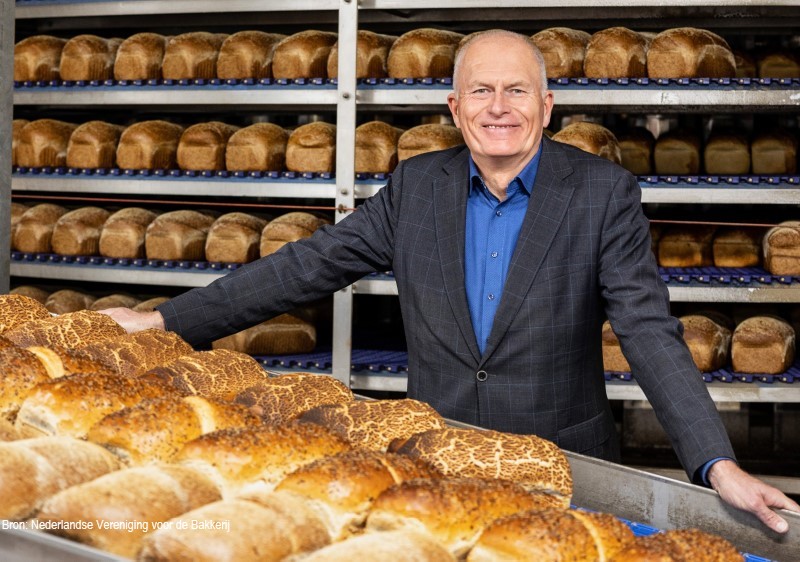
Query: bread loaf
x,y
423,53
123,233
202,146
77,233
745,65
114,301
427,138
60,362
397,546
178,235
592,138
312,148
214,374
247,54
18,309
679,544
636,148
38,58
34,229
372,52
531,461
376,147
288,228
686,246
234,238
763,344
44,143
139,57
22,371
149,145
128,500
32,470
17,210
779,65
283,335
192,55
7,431
93,145
737,247
727,154
616,52
67,331
88,57
303,55
781,248
258,147
150,304
613,358
68,300
563,50
709,342
258,457
281,399
774,153
30,291
453,510
677,153
687,52
16,129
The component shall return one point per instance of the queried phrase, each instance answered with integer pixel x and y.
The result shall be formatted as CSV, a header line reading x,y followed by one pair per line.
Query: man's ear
x,y
452,103
547,104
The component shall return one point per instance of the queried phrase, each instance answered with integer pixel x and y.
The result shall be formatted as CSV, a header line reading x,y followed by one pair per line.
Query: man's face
x,y
500,109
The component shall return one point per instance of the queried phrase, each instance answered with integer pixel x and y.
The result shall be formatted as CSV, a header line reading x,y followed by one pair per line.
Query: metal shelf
x,y
426,4
789,195
115,274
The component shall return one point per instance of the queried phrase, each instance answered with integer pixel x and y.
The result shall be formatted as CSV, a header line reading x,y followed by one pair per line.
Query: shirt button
x,y
499,213
491,296
494,254
481,376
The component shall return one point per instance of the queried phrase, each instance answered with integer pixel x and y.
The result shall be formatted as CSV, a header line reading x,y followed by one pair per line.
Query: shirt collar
x,y
526,178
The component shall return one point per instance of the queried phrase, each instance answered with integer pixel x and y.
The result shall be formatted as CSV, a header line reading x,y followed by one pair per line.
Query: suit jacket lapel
x,y
546,210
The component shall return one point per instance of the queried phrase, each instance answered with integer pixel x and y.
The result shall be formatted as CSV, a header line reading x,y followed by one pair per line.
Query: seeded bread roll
x,y
781,249
636,148
202,146
44,143
563,50
32,292
74,329
178,235
259,147
22,371
689,246
303,55
139,57
687,52
93,145
616,52
745,65
123,234
427,138
708,341
68,300
38,58
16,129
192,55
677,153
727,154
16,309
592,138
779,65
376,147
77,233
613,358
774,152
372,52
247,54
283,335
288,228
679,544
424,53
150,304
234,238
397,546
149,145
737,247
312,148
763,344
34,230
89,57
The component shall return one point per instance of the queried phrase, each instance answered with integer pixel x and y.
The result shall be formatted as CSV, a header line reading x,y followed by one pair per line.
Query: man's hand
x,y
135,321
745,492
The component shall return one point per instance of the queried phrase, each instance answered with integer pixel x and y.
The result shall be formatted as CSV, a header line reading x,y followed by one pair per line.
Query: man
x,y
508,255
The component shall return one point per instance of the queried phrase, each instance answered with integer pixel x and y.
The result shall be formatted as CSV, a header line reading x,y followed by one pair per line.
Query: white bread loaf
x,y
115,300
616,52
372,52
247,54
259,147
31,291
192,55
149,145
679,544
424,53
763,344
727,154
636,148
44,143
677,153
234,238
613,358
32,470
563,50
774,152
38,58
131,498
312,148
178,235
139,57
376,147
289,227
591,138
123,233
283,335
778,65
781,249
77,233
74,329
16,309
94,145
16,128
88,57
22,371
397,546
68,300
34,229
303,55
150,305
737,247
686,246
202,146
688,52
708,341
427,138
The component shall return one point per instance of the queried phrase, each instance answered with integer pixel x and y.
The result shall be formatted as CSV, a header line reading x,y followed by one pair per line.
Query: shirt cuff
x,y
703,470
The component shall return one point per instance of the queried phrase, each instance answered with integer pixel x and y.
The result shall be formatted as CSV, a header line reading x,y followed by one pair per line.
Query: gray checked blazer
x,y
583,254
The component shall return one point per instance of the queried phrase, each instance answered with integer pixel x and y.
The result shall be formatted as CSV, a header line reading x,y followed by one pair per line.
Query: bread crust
x,y
688,52
312,148
139,57
303,55
423,53
563,50
592,138
38,58
247,54
372,53
149,145
426,138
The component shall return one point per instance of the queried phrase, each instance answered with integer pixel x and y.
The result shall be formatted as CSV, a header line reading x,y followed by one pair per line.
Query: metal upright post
x,y
6,117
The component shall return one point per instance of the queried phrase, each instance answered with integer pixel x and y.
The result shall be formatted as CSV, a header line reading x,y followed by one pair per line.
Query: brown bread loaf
x,y
123,233
192,55
34,229
737,247
150,304
32,470
778,65
258,457
592,138
774,152
688,52
44,143
677,153
17,210
114,301
303,55
529,460
38,58
616,52
178,235
131,498
423,53
247,54
283,335
202,146
288,228
234,238
68,300
16,128
636,148
22,371
426,138
94,145
781,249
563,50
709,342
74,329
259,147
745,65
397,546
613,358
727,154
763,344
88,57
149,145
376,147
77,233
686,246
679,545
31,291
16,309
372,52
312,148
139,57
60,362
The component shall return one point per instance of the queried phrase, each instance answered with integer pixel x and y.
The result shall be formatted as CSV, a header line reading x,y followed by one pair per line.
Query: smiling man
x,y
508,255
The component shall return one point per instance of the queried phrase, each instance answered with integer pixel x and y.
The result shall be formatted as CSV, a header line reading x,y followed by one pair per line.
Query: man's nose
x,y
499,102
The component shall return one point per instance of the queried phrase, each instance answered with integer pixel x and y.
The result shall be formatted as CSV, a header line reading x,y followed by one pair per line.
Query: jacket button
x,y
481,376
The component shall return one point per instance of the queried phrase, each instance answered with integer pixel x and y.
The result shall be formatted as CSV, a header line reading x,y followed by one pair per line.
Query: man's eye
x,y
481,91
517,92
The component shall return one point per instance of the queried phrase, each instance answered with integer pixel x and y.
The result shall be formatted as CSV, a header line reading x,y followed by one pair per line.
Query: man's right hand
x,y
135,321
